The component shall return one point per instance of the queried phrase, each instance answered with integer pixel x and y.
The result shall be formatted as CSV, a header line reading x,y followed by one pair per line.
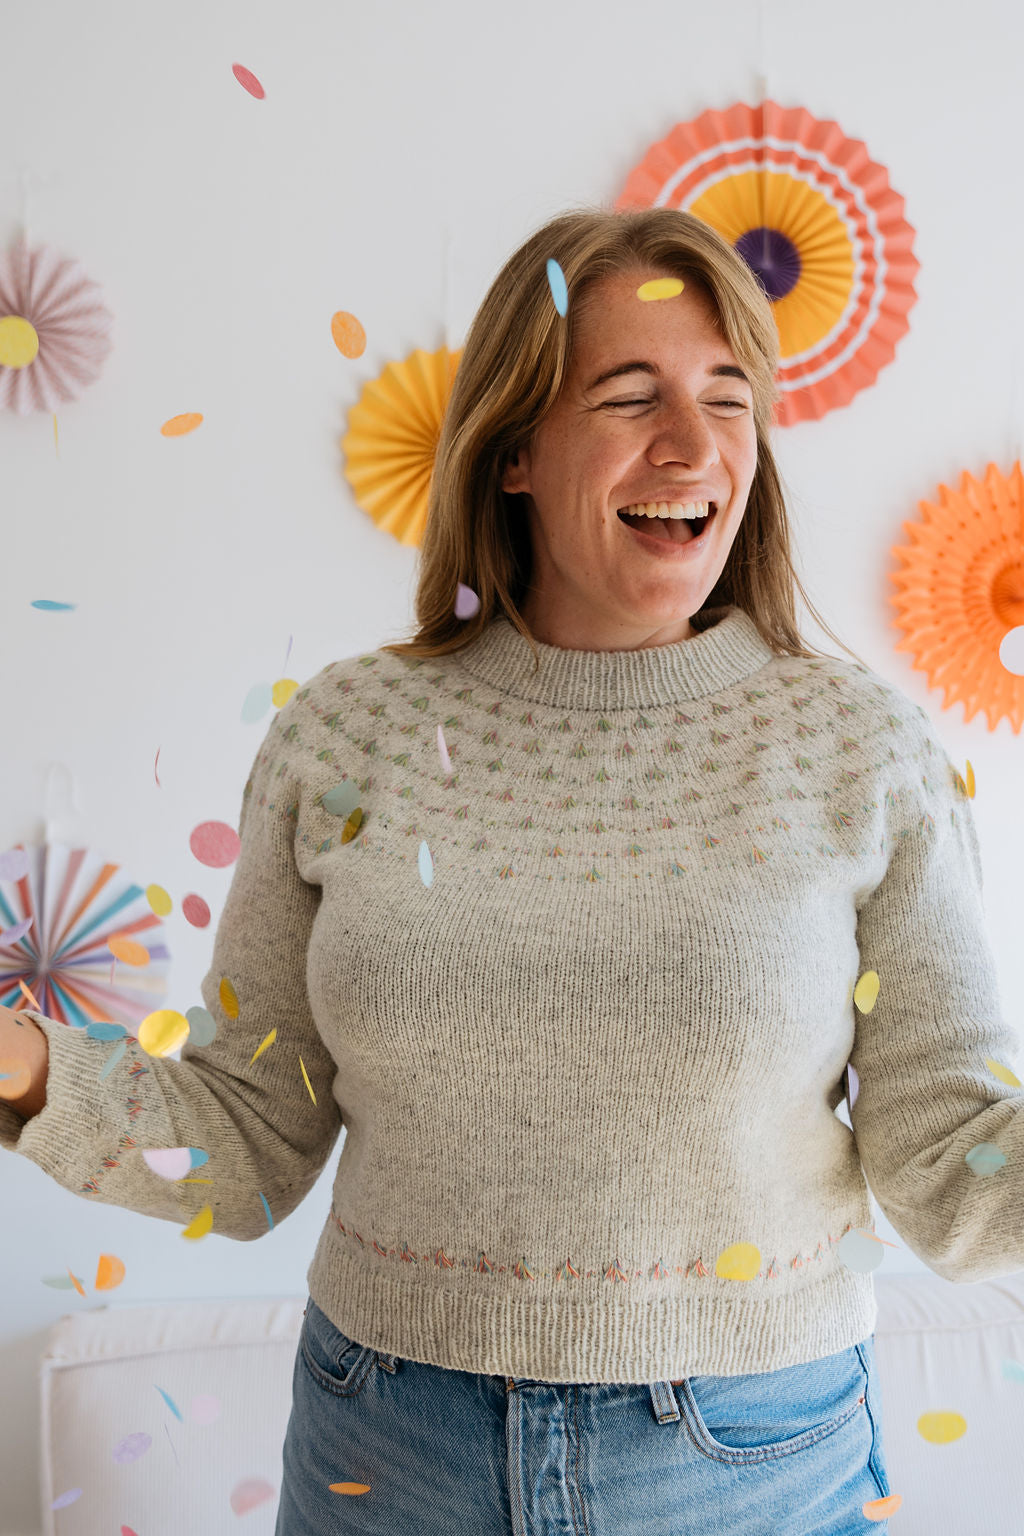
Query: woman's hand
x,y
23,1048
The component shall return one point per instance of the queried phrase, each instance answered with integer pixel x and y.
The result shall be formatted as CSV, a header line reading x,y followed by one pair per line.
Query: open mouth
x,y
675,530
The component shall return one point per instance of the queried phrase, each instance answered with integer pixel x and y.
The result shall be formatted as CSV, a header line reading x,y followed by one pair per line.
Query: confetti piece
x,y
1012,1370
195,911
556,282
1003,1073
248,81
250,1493
168,1162
342,799
349,1487
126,1530
660,288
172,1405
741,1261
466,602
442,747
941,1428
205,1408
15,1077
127,950
28,996
177,426
109,1272
970,779
66,1498
58,1282
52,607
426,864
159,900
9,936
163,1031
266,1207
19,342
14,864
199,1225
866,991
283,690
79,1287
113,1059
879,1509
155,774
105,1031
131,1448
228,998
215,844
854,1083
349,336
257,701
309,1085
985,1158
352,826
267,1040
202,1026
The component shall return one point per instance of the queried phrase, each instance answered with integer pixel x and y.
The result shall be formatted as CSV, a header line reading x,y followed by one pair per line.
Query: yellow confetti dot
x,y
1003,1073
199,1225
740,1262
228,998
660,288
348,333
941,1428
109,1272
177,426
282,691
865,992
268,1040
970,779
128,950
305,1074
349,1487
352,826
159,901
19,341
162,1032
878,1509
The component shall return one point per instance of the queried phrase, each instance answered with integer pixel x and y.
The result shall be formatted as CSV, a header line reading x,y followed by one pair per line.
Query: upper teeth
x,y
692,509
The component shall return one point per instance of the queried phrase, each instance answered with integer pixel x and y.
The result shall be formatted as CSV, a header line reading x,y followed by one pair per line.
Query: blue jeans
x,y
793,1452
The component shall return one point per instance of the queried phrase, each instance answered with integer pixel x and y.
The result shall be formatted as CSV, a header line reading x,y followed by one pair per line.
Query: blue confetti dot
x,y
44,602
556,282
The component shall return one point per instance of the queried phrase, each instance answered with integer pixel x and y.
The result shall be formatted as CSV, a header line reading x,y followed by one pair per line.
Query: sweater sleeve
x,y
256,1120
923,1051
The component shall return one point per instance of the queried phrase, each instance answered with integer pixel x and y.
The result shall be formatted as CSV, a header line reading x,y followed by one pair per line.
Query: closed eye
x,y
740,404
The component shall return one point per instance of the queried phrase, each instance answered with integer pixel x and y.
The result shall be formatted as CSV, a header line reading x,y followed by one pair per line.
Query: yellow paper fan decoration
x,y
392,437
962,591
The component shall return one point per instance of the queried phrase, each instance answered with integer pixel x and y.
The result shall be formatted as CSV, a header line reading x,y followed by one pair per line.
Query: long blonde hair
x,y
515,360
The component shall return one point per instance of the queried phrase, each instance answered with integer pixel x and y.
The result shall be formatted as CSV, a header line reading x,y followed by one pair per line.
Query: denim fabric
x,y
793,1452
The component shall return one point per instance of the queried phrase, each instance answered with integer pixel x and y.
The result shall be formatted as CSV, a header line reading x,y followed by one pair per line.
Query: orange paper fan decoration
x,y
962,590
392,437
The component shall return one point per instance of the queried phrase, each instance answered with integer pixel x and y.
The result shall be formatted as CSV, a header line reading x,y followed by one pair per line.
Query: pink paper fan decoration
x,y
63,305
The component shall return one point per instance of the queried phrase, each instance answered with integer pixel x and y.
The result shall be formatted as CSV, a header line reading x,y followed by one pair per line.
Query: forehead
x,y
609,315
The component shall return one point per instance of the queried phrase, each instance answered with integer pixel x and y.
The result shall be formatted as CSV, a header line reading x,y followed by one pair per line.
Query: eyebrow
x,y
721,370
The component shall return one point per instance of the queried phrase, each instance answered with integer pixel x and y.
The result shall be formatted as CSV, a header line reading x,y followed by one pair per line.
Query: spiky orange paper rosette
x,y
54,329
962,589
392,438
816,220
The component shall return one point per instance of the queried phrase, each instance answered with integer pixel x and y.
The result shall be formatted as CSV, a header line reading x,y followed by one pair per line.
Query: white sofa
x,y
939,1347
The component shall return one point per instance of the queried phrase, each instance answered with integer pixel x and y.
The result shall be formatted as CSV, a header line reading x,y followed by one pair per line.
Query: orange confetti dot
x,y
349,336
109,1272
349,1487
878,1509
177,426
128,950
15,1077
77,1284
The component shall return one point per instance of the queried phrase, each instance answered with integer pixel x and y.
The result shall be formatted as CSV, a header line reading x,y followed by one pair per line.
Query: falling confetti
x,y
352,826
205,1408
172,1405
177,426
556,282
215,844
985,1158
282,691
866,991
128,950
267,1040
248,1494
109,1272
467,604
257,701
1003,1073
342,799
15,1077
349,1487
155,774
14,864
199,1225
202,1026
52,607
660,288
1012,1370
442,747
741,1261
163,1031
349,336
19,342
66,1498
879,1509
228,998
100,1030
79,1287
195,911
861,1251
426,864
248,81
854,1083
159,900
173,1162
131,1448
941,1428
305,1074
9,936
266,1207
112,1060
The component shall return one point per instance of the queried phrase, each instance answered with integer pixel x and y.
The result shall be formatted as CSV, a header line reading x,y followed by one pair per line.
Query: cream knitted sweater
x,y
583,1006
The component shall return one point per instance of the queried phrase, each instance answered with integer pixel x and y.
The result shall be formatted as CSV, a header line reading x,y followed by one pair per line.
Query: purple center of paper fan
x,y
774,257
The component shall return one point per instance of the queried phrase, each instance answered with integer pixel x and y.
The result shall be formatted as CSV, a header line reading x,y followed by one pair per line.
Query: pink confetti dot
x,y
215,844
248,1494
196,911
247,80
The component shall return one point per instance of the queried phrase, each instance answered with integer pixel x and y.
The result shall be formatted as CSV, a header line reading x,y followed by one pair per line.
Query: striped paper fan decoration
x,y
76,902
53,297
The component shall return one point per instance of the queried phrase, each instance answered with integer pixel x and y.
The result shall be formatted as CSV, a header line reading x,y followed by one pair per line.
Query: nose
x,y
684,436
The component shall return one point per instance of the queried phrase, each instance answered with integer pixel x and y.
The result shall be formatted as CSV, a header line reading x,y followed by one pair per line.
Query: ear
x,y
517,472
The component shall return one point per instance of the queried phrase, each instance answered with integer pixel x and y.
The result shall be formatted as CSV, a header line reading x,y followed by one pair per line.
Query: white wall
x,y
403,150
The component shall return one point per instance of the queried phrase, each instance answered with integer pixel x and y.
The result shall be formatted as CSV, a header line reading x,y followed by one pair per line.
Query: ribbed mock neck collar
x,y
728,649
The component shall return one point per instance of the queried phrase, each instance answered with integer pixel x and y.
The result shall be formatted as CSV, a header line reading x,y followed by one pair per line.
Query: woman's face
x,y
664,428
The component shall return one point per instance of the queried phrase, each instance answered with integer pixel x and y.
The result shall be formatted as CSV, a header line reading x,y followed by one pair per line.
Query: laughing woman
x,y
584,1268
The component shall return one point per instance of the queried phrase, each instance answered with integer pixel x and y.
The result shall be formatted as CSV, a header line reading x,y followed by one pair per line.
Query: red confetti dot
x,y
215,844
196,911
247,80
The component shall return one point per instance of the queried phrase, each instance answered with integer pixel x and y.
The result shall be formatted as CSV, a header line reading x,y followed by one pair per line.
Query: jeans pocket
x,y
769,1414
336,1362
